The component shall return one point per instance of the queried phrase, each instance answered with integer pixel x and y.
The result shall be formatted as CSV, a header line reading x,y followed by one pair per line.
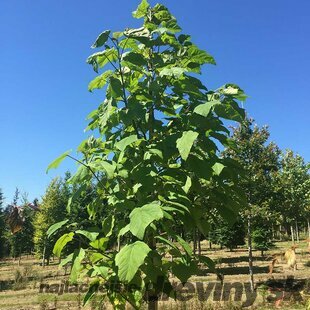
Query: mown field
x,y
284,289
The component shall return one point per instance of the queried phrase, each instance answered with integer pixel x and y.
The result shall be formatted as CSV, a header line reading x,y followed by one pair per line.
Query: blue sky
x,y
261,45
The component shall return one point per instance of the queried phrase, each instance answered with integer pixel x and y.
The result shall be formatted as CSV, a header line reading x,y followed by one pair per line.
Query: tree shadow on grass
x,y
235,270
242,259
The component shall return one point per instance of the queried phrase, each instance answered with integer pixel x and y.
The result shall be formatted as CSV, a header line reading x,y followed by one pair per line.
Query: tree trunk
x,y
308,225
194,241
182,233
152,298
286,231
292,234
43,256
152,305
280,232
297,231
199,243
250,253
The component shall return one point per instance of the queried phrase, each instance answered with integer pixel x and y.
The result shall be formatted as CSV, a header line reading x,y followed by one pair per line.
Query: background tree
x,y
22,241
262,237
2,226
260,160
227,234
52,210
295,187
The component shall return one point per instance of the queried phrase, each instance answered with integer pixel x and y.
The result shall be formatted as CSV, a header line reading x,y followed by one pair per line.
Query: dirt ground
x,y
284,289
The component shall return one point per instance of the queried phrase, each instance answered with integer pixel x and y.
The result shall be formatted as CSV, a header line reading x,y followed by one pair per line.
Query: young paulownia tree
x,y
151,161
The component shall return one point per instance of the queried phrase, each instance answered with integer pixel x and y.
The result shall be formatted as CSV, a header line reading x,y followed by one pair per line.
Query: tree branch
x,y
90,169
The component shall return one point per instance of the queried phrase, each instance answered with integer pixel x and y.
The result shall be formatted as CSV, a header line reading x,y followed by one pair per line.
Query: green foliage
x,y
61,243
21,242
130,258
294,187
2,226
52,210
57,161
227,235
77,258
260,160
141,218
262,238
185,143
55,227
154,164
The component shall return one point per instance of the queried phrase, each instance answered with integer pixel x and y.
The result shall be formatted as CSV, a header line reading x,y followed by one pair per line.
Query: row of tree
x,y
277,186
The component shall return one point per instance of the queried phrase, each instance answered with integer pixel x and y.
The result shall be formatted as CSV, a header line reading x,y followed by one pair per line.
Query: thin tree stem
x,y
90,169
250,253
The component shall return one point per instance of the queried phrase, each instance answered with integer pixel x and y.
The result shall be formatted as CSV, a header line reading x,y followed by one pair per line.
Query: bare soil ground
x,y
284,289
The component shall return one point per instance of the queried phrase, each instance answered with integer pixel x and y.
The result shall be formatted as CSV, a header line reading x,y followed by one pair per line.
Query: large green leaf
x,y
234,91
175,72
57,161
116,88
199,56
205,108
123,231
100,244
102,270
185,245
61,243
185,143
76,194
108,225
130,258
78,256
100,59
141,9
55,227
66,260
230,111
184,271
104,166
142,217
100,81
135,58
93,288
91,235
187,184
141,34
122,144
102,39
171,244
218,168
